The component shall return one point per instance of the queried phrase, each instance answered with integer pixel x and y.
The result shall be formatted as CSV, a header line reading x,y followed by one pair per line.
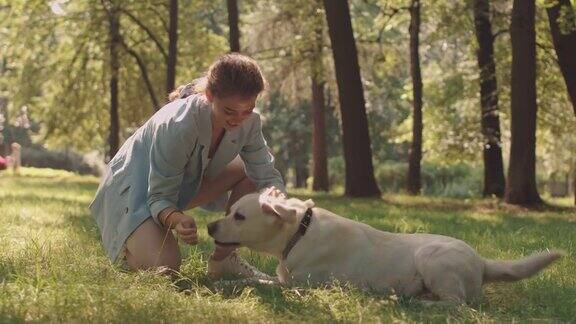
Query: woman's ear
x,y
209,95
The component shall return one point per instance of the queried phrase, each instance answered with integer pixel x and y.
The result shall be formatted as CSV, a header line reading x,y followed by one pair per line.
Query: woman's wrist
x,y
170,218
174,219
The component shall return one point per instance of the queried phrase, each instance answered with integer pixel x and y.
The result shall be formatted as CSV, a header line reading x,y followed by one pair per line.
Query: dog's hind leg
x,y
448,288
450,274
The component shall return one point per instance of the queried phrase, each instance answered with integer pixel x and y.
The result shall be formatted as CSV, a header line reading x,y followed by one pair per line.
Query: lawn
x,y
52,267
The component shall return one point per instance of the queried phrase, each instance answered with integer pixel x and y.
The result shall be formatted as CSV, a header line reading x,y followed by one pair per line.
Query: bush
x,y
455,180
39,157
336,171
458,180
391,176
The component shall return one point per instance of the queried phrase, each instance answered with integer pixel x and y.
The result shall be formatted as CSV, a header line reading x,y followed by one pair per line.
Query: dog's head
x,y
259,222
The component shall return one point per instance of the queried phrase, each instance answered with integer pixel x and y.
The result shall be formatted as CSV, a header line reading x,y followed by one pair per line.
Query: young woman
x,y
205,143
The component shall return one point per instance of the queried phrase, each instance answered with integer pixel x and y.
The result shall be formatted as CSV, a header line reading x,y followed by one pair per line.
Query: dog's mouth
x,y
227,244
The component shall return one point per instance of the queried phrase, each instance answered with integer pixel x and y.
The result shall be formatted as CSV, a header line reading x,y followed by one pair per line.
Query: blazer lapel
x,y
226,152
204,126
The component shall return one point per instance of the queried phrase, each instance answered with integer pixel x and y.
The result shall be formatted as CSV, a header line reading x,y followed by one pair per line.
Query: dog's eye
x,y
239,216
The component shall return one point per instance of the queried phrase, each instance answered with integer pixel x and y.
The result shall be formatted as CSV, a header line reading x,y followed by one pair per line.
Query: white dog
x,y
314,245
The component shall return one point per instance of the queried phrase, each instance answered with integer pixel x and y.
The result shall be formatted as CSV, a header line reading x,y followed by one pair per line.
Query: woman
x,y
204,143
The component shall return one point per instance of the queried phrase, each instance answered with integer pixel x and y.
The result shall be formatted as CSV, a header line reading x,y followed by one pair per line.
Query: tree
x,y
172,46
292,34
288,131
360,181
319,152
521,184
234,34
320,180
494,182
114,43
563,29
5,134
414,182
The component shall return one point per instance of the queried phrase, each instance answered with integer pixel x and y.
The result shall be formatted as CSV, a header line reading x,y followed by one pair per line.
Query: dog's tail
x,y
513,270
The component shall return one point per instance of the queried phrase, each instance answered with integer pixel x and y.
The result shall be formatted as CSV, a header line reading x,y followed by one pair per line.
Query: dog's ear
x,y
277,206
280,210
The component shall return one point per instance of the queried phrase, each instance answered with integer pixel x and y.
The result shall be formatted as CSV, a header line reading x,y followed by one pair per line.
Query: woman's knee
x,y
245,185
149,260
150,247
236,169
170,259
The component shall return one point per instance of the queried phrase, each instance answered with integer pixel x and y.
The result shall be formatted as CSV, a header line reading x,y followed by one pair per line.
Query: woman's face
x,y
230,112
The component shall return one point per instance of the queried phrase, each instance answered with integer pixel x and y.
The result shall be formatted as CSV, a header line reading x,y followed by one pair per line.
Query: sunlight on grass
x,y
52,266
486,217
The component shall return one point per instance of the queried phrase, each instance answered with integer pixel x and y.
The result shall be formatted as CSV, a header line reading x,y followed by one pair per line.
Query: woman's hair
x,y
232,74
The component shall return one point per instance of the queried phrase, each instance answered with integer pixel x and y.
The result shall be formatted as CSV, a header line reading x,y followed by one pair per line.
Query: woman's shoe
x,y
235,265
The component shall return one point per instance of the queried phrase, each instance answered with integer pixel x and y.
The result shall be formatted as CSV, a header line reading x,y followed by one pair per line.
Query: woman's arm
x,y
173,141
259,161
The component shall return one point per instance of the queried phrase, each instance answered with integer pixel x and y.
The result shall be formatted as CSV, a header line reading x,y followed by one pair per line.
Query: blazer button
x,y
126,210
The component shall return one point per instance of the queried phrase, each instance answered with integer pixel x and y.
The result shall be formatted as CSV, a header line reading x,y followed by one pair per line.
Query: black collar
x,y
304,223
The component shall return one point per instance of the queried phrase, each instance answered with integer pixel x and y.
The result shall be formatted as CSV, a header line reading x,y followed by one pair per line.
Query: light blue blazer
x,y
163,163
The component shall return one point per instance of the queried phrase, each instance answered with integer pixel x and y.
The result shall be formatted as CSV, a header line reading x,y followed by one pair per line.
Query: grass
x,y
52,267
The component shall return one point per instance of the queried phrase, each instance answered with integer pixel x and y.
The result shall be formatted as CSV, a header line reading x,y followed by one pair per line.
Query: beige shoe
x,y
235,265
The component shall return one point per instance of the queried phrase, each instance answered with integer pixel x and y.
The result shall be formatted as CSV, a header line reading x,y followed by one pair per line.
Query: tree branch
x,y
548,51
148,32
144,72
160,16
500,32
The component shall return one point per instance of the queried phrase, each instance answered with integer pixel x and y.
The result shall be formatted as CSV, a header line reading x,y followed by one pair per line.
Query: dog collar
x,y
304,223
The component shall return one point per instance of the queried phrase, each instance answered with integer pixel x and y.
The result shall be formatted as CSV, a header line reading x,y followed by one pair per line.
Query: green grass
x,y
52,267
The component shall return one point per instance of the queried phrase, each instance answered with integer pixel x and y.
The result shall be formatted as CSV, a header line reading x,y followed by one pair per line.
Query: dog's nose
x,y
212,227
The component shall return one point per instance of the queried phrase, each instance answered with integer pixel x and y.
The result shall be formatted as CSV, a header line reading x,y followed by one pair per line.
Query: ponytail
x,y
186,90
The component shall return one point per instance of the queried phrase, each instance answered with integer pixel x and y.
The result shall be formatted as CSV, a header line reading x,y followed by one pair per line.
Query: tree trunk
x,y
234,34
565,43
172,47
415,158
494,181
5,138
3,114
521,185
360,181
114,44
301,176
319,153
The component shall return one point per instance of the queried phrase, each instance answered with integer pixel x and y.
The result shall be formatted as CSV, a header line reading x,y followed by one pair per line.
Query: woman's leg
x,y
233,177
152,247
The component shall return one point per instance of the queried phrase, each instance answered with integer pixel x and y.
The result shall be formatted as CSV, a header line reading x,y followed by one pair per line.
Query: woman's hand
x,y
185,227
274,192
186,230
